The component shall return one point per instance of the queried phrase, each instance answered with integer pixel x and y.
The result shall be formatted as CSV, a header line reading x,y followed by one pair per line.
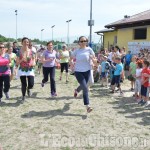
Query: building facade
x,y
129,30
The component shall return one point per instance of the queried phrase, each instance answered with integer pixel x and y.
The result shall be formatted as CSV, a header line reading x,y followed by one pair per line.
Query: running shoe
x,y
147,104
42,84
7,95
29,93
75,93
89,109
53,94
141,101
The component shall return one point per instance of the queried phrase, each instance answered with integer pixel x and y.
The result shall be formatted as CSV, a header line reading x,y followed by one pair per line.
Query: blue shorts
x,y
144,91
116,80
104,74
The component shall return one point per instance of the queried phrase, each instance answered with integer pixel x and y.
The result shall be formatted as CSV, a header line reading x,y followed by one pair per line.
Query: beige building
x,y
131,30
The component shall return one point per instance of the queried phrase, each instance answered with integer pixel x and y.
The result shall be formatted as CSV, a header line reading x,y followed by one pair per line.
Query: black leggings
x,y
46,72
24,83
6,80
64,66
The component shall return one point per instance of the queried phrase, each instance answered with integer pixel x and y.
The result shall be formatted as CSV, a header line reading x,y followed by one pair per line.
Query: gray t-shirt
x,y
83,59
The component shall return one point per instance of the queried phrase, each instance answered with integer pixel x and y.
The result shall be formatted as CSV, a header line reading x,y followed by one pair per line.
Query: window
x,y
140,33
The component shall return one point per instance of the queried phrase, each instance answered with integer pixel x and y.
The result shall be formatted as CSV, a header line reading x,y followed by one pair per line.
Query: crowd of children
x,y
112,66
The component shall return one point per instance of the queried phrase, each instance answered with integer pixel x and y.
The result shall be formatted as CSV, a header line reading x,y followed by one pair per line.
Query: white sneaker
x,y
147,104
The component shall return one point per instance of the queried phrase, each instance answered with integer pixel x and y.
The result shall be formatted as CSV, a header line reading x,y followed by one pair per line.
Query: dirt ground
x,y
61,123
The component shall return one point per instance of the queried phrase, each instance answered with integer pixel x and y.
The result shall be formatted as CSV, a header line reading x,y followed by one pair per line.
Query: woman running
x,y
83,57
4,72
26,61
64,60
48,59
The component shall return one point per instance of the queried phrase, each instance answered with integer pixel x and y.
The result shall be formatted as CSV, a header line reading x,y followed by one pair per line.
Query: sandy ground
x,y
61,123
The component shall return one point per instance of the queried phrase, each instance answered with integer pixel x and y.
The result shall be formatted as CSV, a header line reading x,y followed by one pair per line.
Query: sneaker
x,y
53,94
117,90
132,89
7,95
147,104
89,109
140,102
112,91
42,84
29,93
72,73
75,93
121,93
143,103
23,99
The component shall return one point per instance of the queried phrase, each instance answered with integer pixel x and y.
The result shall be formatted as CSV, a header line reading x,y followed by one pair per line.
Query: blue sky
x,y
34,15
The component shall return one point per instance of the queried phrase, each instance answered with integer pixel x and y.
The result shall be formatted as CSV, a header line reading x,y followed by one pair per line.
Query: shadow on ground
x,y
124,105
52,113
8,104
129,107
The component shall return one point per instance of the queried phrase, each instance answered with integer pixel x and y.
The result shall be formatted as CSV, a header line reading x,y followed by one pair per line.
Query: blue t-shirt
x,y
83,61
119,69
103,65
128,57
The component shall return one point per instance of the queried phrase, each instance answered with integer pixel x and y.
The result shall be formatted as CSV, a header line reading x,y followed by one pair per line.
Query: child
x,y
105,69
138,79
132,71
117,75
145,75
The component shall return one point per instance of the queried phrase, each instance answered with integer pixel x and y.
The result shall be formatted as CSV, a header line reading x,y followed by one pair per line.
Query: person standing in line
x,y
83,57
132,72
105,70
128,58
48,59
4,72
145,78
64,61
15,48
12,62
26,62
118,71
39,59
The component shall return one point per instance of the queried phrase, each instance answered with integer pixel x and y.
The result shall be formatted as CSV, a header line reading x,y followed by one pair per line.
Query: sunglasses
x,y
82,41
2,47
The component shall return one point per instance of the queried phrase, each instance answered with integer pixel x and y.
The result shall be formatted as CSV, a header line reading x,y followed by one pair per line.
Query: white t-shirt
x,y
110,55
83,59
138,72
33,49
99,69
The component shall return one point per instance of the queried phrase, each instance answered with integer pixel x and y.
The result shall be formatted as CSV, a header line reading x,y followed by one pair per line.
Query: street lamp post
x,y
52,31
41,34
68,32
90,23
16,11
